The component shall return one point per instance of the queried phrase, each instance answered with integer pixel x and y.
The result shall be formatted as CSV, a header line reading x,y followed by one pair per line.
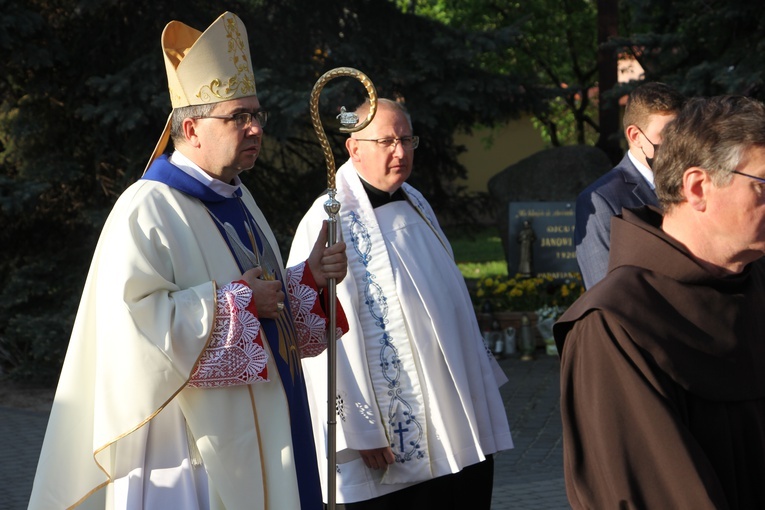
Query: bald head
x,y
383,151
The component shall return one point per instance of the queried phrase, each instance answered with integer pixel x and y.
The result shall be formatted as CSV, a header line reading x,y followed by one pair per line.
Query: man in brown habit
x,y
663,363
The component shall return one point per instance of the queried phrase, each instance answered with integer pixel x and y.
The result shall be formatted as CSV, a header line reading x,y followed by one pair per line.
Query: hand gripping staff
x,y
332,207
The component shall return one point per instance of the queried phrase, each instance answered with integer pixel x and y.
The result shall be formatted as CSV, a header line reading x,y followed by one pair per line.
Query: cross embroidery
x,y
400,431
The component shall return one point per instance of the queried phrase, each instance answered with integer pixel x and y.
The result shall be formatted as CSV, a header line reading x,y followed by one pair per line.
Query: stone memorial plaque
x,y
547,228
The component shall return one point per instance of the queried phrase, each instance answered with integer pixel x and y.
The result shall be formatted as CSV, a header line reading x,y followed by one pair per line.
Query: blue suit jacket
x,y
622,186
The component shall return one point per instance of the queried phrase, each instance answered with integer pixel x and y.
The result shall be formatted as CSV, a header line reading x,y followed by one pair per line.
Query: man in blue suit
x,y
650,107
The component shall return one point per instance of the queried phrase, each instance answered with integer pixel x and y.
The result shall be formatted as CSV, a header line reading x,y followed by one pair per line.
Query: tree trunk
x,y
608,107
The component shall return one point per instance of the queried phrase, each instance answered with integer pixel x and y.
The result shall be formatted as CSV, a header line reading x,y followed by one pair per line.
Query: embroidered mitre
x,y
205,67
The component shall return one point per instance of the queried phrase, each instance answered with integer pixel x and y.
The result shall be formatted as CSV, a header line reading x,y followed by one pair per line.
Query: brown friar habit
x,y
663,380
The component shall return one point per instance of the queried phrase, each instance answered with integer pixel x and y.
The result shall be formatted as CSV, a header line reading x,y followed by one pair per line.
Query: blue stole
x,y
250,247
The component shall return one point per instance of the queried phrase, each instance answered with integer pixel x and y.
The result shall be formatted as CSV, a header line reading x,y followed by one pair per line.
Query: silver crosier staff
x,y
332,207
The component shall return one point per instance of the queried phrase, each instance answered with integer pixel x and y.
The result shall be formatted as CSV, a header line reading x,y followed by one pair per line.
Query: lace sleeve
x,y
235,354
310,322
309,312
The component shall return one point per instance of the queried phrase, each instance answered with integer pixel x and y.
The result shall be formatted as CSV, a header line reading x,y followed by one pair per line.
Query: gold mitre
x,y
204,68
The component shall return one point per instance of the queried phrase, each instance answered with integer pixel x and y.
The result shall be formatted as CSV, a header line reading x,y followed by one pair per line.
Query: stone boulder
x,y
552,175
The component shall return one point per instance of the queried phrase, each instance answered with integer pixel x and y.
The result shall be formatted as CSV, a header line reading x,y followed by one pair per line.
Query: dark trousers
x,y
469,489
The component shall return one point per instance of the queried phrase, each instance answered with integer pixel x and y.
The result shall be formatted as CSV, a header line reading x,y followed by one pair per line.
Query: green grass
x,y
478,251
478,270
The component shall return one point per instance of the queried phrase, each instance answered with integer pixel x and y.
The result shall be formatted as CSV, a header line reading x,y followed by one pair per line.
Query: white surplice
x,y
117,436
413,370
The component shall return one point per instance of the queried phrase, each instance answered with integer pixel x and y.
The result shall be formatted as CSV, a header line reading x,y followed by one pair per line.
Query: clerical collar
x,y
223,189
378,197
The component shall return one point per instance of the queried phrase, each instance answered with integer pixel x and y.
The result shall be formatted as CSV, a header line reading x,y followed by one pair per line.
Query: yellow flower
x,y
526,293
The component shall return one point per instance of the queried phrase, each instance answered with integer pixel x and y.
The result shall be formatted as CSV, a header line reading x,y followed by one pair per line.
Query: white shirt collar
x,y
644,170
193,170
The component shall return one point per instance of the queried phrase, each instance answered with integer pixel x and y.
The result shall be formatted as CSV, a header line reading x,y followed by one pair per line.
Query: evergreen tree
x,y
84,98
703,47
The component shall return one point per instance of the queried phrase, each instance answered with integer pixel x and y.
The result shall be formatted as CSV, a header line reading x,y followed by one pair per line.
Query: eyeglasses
x,y
242,120
409,143
761,180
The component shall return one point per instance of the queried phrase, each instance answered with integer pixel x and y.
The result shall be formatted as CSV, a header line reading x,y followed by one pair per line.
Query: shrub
x,y
519,293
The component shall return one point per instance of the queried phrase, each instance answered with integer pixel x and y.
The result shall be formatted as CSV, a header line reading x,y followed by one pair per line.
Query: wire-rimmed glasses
x,y
242,120
409,143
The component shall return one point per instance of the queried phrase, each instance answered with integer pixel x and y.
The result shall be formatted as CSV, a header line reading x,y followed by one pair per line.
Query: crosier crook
x,y
332,207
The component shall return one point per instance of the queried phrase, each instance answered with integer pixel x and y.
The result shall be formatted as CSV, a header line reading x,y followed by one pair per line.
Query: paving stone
x,y
530,476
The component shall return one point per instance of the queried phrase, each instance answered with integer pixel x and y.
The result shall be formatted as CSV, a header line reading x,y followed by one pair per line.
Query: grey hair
x,y
711,133
185,112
